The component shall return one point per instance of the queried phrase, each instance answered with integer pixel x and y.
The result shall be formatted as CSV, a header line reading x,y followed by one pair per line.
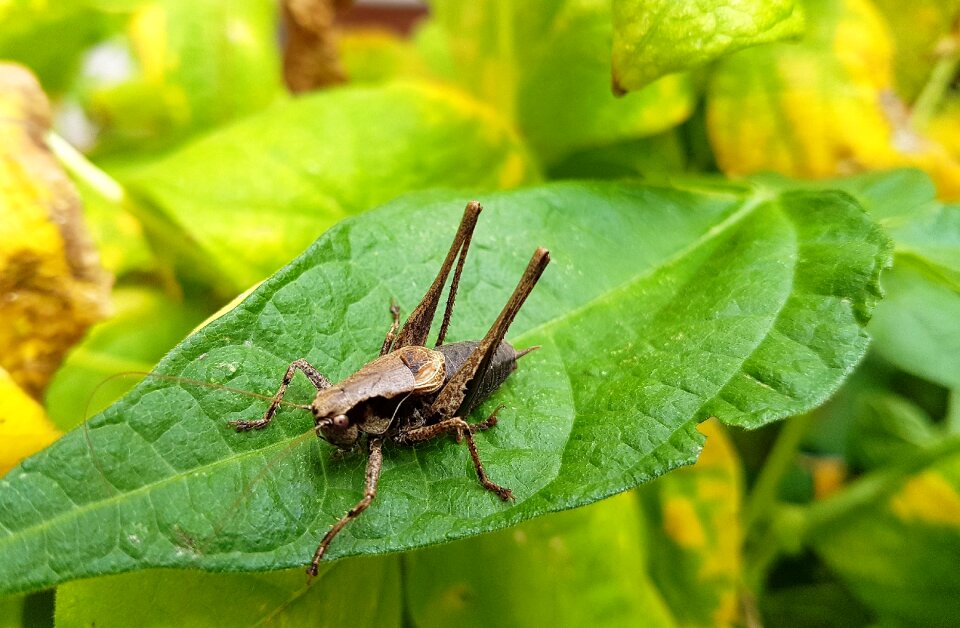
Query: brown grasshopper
x,y
411,393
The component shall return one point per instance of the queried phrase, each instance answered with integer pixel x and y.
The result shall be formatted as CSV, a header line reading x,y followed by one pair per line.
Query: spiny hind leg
x,y
315,377
461,427
374,465
388,341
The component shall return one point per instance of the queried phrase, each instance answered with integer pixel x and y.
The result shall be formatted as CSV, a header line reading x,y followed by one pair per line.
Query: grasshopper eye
x,y
341,420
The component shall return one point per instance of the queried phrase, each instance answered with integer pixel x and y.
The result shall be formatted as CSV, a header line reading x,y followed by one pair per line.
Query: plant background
x,y
190,142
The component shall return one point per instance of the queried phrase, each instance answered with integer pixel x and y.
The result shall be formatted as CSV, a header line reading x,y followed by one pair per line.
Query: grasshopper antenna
x,y
184,380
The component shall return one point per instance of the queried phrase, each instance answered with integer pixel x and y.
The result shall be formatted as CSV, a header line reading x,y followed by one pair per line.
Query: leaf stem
x,y
83,169
928,101
764,493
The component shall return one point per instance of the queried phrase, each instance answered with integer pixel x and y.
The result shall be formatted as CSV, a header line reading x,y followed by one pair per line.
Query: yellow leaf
x,y
823,107
681,523
24,427
51,284
699,511
929,498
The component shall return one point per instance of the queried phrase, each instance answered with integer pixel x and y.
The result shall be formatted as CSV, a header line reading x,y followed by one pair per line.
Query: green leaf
x,y
545,65
886,427
917,328
594,557
49,37
656,155
311,165
925,231
361,592
653,38
194,66
663,307
915,325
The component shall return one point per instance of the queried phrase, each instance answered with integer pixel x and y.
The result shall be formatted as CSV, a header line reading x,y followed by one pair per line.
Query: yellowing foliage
x,y
928,498
24,427
50,279
681,523
51,285
699,510
824,107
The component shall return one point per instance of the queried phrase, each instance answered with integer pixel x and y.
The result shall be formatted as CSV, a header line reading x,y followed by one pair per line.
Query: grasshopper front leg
x,y
372,478
315,377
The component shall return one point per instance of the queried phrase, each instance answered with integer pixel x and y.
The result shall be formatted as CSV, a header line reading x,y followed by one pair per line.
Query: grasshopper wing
x,y
371,395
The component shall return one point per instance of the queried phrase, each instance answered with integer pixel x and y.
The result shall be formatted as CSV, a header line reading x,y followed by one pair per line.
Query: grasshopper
x,y
411,393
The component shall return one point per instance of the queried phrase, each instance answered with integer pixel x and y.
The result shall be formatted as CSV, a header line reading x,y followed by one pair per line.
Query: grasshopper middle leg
x,y
392,333
461,427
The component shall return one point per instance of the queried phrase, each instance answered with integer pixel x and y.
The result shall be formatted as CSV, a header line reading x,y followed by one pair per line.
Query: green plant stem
x,y
757,559
764,493
931,95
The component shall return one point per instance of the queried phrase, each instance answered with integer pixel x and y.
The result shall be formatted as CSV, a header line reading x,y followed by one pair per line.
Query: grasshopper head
x,y
333,417
336,430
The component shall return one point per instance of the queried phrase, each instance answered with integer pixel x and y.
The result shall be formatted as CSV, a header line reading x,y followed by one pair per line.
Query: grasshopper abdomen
x,y
503,362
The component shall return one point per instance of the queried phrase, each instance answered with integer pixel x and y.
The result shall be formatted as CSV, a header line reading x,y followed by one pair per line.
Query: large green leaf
x,y
663,307
652,38
310,165
545,65
915,327
363,592
193,66
594,557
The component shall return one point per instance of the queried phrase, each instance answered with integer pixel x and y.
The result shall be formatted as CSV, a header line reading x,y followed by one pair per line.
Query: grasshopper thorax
x,y
368,401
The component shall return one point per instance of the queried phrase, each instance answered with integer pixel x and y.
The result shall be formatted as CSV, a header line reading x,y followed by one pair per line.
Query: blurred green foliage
x,y
202,177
